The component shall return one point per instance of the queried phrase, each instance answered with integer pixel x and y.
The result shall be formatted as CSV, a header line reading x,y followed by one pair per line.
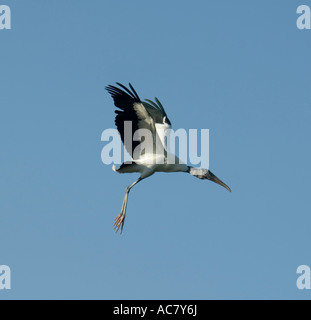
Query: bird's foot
x,y
119,222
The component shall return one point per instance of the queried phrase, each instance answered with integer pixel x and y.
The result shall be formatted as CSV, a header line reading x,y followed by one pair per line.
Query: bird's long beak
x,y
213,178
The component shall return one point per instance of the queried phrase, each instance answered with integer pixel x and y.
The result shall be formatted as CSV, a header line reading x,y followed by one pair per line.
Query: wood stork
x,y
152,116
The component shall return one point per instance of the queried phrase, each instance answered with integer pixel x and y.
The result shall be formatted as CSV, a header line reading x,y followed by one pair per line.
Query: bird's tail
x,y
127,168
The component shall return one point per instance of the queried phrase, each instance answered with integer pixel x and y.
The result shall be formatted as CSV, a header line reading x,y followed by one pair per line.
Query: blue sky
x,y
239,68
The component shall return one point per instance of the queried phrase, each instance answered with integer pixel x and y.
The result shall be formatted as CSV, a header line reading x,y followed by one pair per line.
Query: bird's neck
x,y
199,173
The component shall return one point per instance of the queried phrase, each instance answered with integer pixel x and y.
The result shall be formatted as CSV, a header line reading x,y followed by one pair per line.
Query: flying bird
x,y
148,115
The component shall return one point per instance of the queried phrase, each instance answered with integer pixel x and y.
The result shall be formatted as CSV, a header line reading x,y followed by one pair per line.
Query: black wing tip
x,y
157,104
123,90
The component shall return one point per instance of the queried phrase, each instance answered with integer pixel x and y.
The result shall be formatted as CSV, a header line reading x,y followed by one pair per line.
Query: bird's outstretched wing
x,y
143,115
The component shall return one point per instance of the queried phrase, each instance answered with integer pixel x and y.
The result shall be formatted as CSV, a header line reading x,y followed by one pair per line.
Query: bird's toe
x,y
119,222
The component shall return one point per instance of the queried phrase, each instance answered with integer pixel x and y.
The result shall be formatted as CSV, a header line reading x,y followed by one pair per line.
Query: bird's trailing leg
x,y
119,220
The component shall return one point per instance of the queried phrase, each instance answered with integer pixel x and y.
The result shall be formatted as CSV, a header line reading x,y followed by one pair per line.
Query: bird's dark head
x,y
206,174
